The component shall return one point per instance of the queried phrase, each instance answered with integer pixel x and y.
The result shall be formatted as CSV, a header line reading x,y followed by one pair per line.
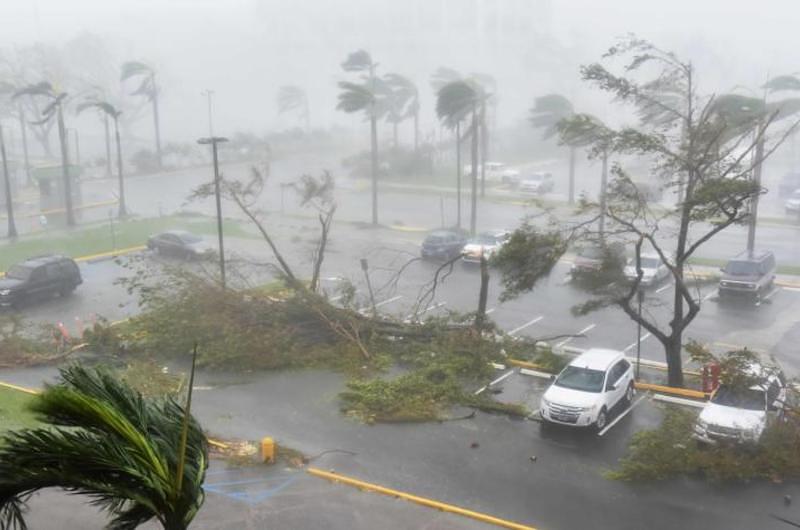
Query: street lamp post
x,y
12,227
214,140
208,94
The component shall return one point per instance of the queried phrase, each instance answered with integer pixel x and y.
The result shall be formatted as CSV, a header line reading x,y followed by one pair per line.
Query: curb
x,y
682,392
430,503
400,228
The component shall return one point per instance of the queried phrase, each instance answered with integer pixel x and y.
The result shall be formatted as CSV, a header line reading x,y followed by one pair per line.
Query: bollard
x,y
268,450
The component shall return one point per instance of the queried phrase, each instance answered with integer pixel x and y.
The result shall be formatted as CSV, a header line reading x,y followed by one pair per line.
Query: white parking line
x,y
633,345
525,325
365,310
581,332
709,295
792,289
481,389
662,289
618,418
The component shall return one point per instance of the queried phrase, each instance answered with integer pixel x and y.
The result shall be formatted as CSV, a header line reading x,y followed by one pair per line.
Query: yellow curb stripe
x,y
367,486
19,388
526,364
401,228
684,392
119,252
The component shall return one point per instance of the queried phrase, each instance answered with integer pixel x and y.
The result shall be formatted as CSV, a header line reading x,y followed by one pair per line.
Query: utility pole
x,y
214,140
208,94
12,227
751,225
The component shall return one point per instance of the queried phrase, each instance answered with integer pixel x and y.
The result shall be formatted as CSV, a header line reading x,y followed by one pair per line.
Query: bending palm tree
x,y
441,77
139,459
547,113
404,103
454,102
293,98
54,109
148,89
489,86
109,111
367,97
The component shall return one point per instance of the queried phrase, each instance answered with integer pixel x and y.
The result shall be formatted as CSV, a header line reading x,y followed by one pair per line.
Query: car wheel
x,y
65,291
602,419
629,393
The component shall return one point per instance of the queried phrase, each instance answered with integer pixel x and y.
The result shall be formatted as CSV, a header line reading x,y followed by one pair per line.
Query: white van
x,y
588,388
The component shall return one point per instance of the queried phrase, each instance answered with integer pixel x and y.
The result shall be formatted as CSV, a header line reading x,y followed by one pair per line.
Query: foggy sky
x,y
245,49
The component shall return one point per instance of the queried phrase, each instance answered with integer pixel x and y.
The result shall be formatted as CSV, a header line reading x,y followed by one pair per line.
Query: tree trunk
x,y
480,316
603,186
673,351
373,125
751,225
24,133
572,175
458,174
123,210
484,137
62,137
109,172
12,227
156,120
473,217
416,132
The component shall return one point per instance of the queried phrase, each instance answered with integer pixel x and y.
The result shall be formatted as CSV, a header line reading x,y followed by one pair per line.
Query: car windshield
x,y
19,272
584,379
741,268
591,252
749,399
190,238
434,240
647,263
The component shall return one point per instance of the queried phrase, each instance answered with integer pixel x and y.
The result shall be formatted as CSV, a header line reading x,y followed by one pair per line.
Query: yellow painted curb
x,y
683,392
19,388
526,364
119,252
401,228
430,503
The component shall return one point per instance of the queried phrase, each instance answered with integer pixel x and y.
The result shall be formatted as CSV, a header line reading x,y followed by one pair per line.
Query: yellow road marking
x,y
685,392
430,503
119,252
19,388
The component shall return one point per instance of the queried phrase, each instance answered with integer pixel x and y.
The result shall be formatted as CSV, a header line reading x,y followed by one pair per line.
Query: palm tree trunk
x,y
123,209
484,148
603,185
458,174
572,175
108,145
12,227
473,218
751,225
373,125
62,137
24,133
156,120
416,131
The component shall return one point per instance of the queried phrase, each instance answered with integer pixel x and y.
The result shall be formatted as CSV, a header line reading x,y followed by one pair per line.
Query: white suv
x,y
588,388
740,415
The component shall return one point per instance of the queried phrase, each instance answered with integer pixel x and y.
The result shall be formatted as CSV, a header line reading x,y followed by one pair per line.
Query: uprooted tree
x,y
700,147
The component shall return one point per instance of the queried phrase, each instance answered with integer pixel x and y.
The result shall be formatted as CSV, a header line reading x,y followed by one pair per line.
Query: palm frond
x,y
43,88
134,68
358,61
455,100
354,97
291,98
102,106
782,82
443,76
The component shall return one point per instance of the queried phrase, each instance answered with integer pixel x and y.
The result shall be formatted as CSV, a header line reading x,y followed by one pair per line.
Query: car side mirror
x,y
611,388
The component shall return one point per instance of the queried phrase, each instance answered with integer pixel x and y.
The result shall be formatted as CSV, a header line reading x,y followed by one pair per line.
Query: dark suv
x,y
443,244
748,274
39,277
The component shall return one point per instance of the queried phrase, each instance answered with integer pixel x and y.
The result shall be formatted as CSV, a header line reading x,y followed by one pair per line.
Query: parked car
x,y
443,244
537,183
39,277
792,204
496,172
590,256
740,415
588,388
654,270
182,244
789,183
486,243
748,274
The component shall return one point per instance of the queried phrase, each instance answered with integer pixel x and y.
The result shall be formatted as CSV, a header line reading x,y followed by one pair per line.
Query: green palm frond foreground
x,y
104,440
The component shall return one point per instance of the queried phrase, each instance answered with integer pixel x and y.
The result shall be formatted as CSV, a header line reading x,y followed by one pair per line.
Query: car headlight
x,y
5,292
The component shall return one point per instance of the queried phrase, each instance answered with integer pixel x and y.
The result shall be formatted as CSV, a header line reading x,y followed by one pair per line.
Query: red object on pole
x,y
711,373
